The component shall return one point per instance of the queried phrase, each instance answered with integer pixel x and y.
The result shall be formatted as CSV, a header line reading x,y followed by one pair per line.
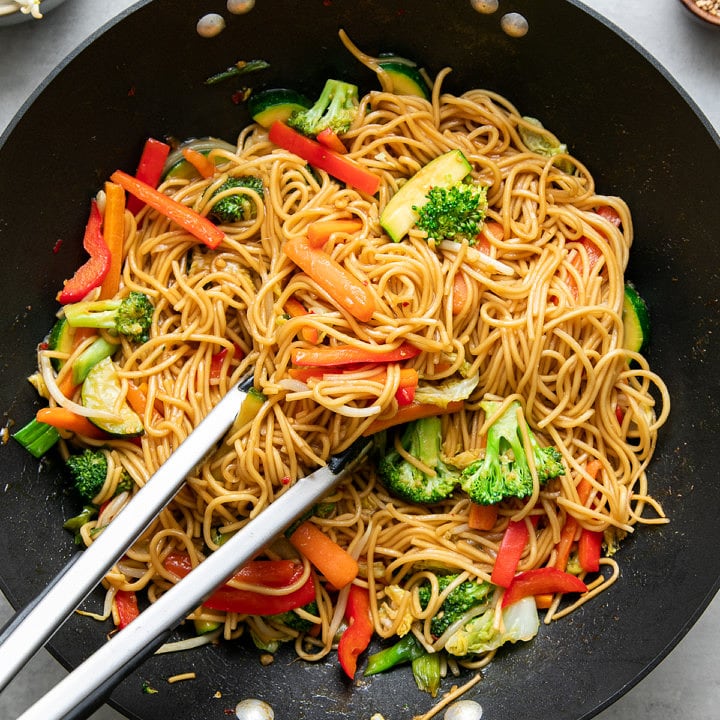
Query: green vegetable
x,y
268,106
236,206
405,78
335,109
426,671
131,316
423,440
241,67
37,437
519,622
177,167
504,471
450,390
101,391
294,621
61,339
74,524
401,213
403,651
453,213
636,321
91,356
89,472
542,142
202,627
462,598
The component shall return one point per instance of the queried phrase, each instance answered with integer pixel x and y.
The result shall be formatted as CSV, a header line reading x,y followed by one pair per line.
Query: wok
x,y
635,131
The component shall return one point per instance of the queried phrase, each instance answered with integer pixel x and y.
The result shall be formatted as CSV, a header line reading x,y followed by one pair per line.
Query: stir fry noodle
x,y
349,332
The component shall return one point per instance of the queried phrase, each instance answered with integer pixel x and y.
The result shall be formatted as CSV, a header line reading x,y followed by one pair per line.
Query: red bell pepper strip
x,y
90,275
405,395
358,634
541,581
590,549
217,360
334,355
339,166
149,169
183,215
511,547
267,573
126,605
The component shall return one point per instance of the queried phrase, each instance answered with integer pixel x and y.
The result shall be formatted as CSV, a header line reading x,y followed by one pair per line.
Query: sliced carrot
x,y
319,233
412,411
544,601
183,215
137,399
491,231
482,517
334,562
335,355
330,139
67,385
114,234
202,163
64,419
459,293
296,309
350,293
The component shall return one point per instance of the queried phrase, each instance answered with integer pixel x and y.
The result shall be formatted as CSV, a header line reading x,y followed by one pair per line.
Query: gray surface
x,y
685,684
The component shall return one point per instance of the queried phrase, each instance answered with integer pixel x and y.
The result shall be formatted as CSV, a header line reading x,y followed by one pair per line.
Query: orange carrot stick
x,y
460,293
64,419
114,234
482,517
350,293
296,309
202,163
335,563
319,233
183,215
136,399
413,411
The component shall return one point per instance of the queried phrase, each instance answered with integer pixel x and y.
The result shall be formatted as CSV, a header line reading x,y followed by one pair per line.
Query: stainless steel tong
x,y
84,689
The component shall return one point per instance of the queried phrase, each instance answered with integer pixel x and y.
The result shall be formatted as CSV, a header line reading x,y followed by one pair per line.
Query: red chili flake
x,y
241,95
43,346
131,91
57,246
327,3
285,480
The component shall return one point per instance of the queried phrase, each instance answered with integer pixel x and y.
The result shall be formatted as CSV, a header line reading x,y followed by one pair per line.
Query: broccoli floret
x,y
237,206
423,440
504,472
465,596
453,213
130,316
294,621
336,109
89,470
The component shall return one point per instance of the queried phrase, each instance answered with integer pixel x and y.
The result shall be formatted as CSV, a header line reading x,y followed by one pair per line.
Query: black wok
x,y
144,76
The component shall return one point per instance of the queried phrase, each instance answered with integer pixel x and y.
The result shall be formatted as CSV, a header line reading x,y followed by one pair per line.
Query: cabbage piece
x,y
442,394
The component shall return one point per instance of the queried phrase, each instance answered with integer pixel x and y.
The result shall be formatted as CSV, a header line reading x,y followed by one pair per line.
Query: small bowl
x,y
16,17
708,18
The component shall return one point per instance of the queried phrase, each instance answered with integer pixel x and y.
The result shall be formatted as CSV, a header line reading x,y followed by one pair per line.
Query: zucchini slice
x,y
267,106
406,79
61,339
636,321
101,391
446,170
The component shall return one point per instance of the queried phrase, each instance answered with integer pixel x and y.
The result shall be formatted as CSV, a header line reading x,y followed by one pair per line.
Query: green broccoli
x,y
89,471
453,213
504,472
238,205
296,622
423,440
462,598
335,109
130,316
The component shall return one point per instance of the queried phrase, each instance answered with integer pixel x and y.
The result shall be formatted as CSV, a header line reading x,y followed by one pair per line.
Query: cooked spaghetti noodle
x,y
539,322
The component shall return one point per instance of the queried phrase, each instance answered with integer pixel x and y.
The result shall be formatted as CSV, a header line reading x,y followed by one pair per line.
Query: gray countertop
x,y
685,684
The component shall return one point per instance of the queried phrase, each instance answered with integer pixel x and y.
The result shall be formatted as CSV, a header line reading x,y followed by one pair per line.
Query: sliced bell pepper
x,y
90,275
541,581
414,411
149,169
330,139
127,608
331,162
266,573
358,634
217,360
590,549
511,547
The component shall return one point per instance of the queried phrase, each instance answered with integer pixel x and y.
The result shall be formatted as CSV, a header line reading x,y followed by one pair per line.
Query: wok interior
x,y
626,122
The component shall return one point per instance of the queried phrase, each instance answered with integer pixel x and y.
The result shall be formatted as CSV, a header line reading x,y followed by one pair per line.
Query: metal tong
x,y
84,689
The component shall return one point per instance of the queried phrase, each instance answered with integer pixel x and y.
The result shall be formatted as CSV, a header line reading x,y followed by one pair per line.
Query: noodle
x,y
541,324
